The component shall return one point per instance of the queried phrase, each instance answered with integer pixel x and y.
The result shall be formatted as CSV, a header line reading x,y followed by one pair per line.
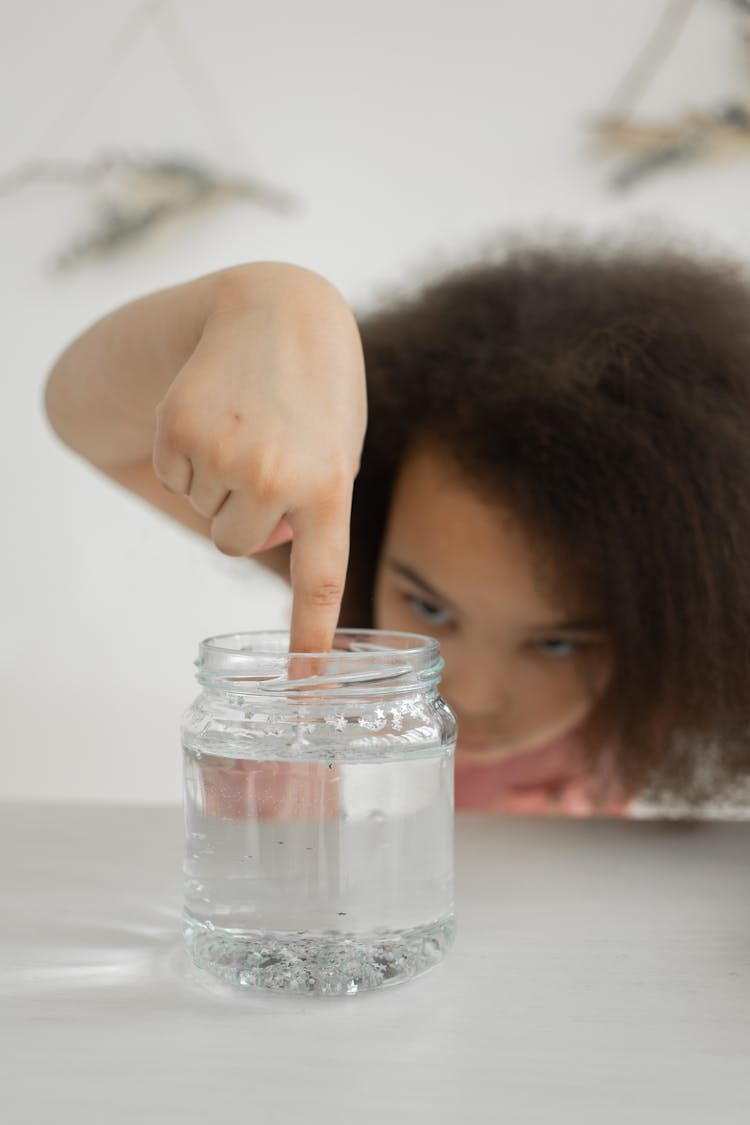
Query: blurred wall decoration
x,y
131,194
645,147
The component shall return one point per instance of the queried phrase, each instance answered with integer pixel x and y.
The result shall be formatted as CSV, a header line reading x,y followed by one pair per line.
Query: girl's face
x,y
522,667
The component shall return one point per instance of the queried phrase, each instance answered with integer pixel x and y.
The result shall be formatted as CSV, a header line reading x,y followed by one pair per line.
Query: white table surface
x,y
601,974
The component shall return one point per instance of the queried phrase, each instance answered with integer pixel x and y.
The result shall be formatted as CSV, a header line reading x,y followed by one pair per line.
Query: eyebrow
x,y
574,625
412,575
579,625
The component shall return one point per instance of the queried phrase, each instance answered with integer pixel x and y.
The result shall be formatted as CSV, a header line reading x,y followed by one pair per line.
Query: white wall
x,y
411,131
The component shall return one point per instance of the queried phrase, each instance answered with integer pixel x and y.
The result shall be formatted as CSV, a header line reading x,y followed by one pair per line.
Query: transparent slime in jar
x,y
318,813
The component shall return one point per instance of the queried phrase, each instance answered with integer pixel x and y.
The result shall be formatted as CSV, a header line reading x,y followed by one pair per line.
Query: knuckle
x,y
175,427
326,593
166,471
334,491
216,459
265,478
267,489
332,510
339,483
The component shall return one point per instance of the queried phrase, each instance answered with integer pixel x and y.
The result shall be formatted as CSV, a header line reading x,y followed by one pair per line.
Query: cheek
x,y
555,685
548,689
595,670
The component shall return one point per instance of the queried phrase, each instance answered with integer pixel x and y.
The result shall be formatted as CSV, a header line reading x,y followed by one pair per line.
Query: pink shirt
x,y
551,780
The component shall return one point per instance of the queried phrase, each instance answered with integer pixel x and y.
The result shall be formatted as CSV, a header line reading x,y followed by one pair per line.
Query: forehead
x,y
470,548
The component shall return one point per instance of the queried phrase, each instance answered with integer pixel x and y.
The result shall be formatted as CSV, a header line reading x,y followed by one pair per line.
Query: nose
x,y
476,683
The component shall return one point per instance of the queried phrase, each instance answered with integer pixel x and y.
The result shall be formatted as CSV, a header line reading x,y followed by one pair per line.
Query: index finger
x,y
320,555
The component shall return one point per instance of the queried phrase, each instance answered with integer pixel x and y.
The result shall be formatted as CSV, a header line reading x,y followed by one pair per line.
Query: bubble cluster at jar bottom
x,y
318,877
324,964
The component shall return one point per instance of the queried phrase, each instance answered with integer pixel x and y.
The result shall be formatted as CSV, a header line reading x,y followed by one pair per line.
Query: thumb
x,y
282,533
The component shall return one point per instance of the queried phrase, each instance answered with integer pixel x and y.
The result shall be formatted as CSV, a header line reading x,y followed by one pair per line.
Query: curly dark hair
x,y
604,394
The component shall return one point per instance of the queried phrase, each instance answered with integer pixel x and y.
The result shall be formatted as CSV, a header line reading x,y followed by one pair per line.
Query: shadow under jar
x,y
319,812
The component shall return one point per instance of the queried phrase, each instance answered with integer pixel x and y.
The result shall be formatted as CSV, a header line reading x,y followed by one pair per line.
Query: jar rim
x,y
359,658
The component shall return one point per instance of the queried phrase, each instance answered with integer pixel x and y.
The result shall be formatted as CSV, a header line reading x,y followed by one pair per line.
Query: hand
x,y
262,431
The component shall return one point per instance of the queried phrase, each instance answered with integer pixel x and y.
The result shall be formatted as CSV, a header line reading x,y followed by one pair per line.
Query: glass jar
x,y
319,812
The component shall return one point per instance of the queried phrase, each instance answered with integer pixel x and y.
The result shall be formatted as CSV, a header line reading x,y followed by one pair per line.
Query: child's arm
x,y
230,403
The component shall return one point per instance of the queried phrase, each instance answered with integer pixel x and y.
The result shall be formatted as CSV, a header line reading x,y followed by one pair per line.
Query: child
x,y
554,482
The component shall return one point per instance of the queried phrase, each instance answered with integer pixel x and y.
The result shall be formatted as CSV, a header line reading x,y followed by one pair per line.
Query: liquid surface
x,y
315,876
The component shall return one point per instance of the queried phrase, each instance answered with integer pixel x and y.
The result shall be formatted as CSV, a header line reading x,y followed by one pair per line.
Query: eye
x,y
430,614
555,647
